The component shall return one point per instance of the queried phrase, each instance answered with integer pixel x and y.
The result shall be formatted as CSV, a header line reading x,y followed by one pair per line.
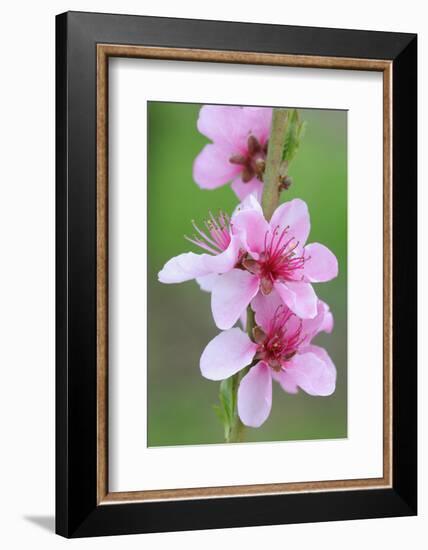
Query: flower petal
x,y
321,264
182,268
231,295
255,395
300,297
226,260
206,282
227,354
251,202
225,125
251,228
286,381
265,307
212,168
191,266
328,323
243,189
258,121
323,321
295,215
314,371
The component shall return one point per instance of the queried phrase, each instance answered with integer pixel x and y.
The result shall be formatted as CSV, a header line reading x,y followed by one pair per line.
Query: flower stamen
x,y
281,342
217,236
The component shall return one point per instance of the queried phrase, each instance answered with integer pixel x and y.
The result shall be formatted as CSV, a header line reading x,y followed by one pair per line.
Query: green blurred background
x,y
180,400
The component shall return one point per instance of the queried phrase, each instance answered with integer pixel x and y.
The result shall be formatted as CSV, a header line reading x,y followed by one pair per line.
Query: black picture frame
x,y
77,511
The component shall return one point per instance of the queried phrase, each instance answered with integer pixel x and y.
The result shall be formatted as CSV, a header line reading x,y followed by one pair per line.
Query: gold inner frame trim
x,y
104,51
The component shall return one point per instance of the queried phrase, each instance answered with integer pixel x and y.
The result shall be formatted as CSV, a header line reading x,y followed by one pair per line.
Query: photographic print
x,y
247,274
230,275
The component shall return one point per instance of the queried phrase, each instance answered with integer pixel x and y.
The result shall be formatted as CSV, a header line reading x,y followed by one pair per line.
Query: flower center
x,y
279,260
281,342
253,163
216,238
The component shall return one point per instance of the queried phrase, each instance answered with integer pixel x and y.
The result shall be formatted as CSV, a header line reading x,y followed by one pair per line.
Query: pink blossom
x,y
222,252
273,256
247,254
281,351
238,150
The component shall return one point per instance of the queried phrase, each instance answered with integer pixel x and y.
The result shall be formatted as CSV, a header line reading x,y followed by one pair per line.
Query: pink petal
x,y
295,215
328,323
228,353
299,297
258,121
183,268
255,395
232,125
242,189
192,266
323,321
286,381
322,354
321,264
251,228
224,125
265,307
231,295
212,167
226,260
206,282
313,371
250,202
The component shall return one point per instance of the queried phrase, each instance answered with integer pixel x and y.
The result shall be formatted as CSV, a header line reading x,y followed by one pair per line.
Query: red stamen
x,y
279,345
279,260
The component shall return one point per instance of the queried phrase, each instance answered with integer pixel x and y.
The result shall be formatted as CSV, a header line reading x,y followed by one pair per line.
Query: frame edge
x,y
61,267
405,273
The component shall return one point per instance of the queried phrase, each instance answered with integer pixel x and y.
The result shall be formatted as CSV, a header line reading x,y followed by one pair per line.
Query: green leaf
x,y
294,135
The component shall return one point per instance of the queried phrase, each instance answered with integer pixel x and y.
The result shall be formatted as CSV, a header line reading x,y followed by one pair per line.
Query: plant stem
x,y
236,433
270,200
237,428
271,177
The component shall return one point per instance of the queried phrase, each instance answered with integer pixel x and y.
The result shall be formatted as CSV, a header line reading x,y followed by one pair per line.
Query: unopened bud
x,y
285,183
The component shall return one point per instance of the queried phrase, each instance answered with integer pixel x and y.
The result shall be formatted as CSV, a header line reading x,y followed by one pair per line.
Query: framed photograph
x,y
236,274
